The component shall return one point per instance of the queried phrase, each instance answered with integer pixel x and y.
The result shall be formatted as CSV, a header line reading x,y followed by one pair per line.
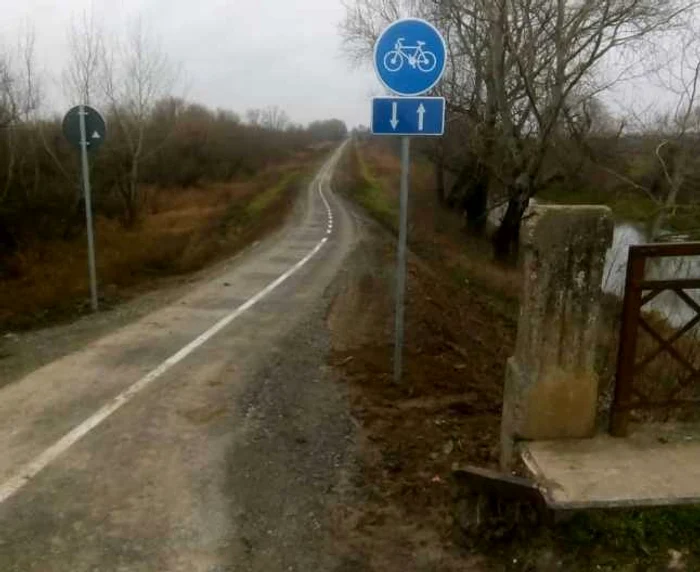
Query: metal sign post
x,y
85,128
401,269
409,58
88,210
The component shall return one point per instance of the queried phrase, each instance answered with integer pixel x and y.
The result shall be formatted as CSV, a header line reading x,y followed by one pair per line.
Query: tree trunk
x,y
439,166
469,193
8,241
669,207
130,212
10,162
133,210
454,198
475,201
132,196
506,238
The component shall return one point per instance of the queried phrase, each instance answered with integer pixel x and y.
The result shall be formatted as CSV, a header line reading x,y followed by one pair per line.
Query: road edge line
x,y
28,471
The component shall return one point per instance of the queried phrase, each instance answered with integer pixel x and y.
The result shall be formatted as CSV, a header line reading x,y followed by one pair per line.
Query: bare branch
x,y
86,42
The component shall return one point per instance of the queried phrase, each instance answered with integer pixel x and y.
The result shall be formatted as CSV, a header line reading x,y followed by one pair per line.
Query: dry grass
x,y
183,231
433,230
438,234
660,379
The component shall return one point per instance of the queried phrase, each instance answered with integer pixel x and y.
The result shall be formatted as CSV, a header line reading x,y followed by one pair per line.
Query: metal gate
x,y
633,359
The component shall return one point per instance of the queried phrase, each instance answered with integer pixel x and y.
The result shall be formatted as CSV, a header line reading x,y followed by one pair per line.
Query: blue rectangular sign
x,y
415,116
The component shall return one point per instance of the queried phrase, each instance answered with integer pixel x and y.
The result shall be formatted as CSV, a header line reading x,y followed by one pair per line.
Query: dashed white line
x,y
35,466
329,228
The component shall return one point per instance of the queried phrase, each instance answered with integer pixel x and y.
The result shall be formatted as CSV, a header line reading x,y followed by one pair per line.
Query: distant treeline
x,y
177,144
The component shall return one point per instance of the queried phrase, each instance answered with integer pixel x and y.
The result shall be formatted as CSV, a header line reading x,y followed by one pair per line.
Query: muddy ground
x,y
461,326
445,411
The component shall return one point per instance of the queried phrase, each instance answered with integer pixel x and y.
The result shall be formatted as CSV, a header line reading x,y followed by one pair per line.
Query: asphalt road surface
x,y
208,436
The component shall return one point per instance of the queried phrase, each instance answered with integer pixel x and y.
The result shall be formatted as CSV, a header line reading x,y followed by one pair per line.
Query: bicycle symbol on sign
x,y
416,57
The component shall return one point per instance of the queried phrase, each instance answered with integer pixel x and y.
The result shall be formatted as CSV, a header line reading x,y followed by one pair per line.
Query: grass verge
x,y
366,189
183,231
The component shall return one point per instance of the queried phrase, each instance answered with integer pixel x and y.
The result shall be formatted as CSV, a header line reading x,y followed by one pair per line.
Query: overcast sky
x,y
236,54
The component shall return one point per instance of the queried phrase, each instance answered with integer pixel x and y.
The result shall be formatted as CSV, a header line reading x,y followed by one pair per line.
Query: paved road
x,y
208,436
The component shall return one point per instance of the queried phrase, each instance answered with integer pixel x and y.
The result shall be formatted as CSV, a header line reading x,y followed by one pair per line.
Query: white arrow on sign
x,y
421,115
96,135
394,115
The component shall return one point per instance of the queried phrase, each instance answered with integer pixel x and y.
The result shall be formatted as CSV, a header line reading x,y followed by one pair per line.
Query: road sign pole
x,y
88,209
409,57
401,269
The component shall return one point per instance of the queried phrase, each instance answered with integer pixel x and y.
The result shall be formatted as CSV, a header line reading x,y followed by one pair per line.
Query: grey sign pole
x,y
401,269
406,115
88,209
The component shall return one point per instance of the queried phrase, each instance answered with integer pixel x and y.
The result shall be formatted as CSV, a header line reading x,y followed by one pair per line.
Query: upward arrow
x,y
394,115
421,116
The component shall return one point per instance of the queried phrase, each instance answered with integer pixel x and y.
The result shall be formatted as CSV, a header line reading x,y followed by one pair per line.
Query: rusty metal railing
x,y
640,291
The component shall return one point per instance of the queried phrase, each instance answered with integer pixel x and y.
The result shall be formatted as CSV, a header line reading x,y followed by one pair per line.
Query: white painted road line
x,y
329,228
35,466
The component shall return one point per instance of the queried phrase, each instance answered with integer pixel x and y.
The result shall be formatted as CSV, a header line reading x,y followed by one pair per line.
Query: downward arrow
x,y
421,115
394,115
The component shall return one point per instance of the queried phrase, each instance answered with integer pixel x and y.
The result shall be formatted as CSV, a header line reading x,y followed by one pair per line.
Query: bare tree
x,y
136,74
20,96
674,151
86,42
551,53
667,131
365,20
516,67
253,116
274,118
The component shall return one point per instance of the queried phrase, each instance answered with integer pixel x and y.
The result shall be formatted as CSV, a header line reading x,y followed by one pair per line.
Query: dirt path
x,y
227,459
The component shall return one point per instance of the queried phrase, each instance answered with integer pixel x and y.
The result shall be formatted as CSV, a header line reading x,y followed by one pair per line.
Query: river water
x,y
677,312
668,304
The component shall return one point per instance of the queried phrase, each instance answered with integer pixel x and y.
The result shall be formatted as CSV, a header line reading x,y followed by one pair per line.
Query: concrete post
x,y
551,386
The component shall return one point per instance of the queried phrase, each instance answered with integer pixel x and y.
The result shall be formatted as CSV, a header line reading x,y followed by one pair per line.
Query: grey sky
x,y
240,54
235,54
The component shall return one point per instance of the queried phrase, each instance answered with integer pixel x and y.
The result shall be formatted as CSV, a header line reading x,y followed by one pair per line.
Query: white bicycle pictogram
x,y
419,58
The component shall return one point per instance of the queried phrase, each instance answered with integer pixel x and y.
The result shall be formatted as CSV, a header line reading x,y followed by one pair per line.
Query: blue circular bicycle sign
x,y
410,57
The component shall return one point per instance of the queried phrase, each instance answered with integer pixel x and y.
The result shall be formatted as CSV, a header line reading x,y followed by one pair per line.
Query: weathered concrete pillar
x,y
551,386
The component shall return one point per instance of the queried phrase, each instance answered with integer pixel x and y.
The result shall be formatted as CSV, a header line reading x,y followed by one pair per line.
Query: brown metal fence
x,y
630,395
